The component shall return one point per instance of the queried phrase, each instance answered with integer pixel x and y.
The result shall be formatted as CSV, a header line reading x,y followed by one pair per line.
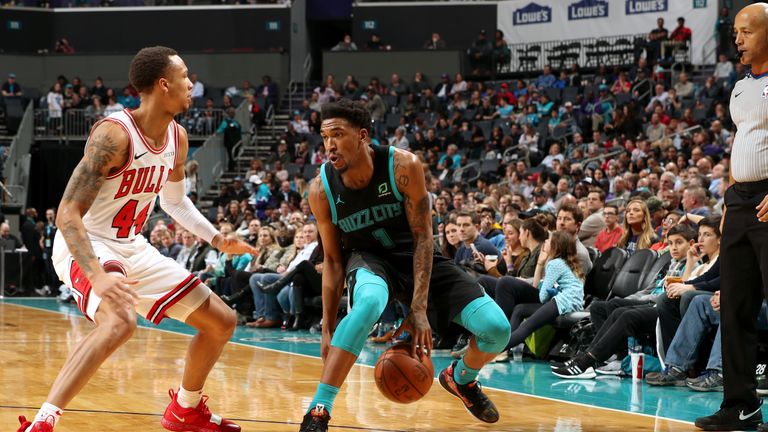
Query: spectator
x,y
288,195
594,223
95,111
609,237
55,101
683,87
434,43
397,87
638,230
619,318
490,229
502,55
474,248
129,99
198,88
268,91
700,319
702,257
378,109
621,85
546,79
459,85
99,89
375,44
191,178
652,45
695,201
64,47
112,106
723,68
169,248
560,283
681,33
399,140
569,220
5,234
11,87
480,54
655,130
345,44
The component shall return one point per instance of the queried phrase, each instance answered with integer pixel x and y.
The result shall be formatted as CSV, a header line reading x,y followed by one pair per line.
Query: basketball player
x,y
130,158
744,245
373,214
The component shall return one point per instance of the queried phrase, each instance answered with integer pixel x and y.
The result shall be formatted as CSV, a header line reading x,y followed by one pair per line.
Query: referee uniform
x,y
744,245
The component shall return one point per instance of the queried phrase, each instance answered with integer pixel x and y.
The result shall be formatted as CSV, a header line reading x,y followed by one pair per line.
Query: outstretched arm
x,y
333,261
175,202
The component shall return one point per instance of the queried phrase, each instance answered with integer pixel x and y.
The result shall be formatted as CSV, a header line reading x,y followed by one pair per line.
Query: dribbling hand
x,y
418,325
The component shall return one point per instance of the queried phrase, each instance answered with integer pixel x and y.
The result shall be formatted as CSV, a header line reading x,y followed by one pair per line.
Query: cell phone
x,y
473,247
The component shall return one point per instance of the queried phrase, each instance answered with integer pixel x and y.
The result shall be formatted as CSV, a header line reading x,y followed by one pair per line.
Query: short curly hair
x,y
149,65
354,112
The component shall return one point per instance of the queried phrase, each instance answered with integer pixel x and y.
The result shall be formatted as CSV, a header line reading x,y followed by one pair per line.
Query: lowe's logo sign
x,y
646,6
532,14
586,9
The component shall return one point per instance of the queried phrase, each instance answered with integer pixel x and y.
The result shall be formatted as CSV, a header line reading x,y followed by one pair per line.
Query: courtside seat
x,y
660,265
632,273
597,286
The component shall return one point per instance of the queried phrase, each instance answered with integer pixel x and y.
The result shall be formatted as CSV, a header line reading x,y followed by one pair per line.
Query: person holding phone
x,y
475,248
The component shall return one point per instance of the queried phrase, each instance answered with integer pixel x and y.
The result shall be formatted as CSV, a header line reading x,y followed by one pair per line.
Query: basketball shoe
x,y
475,401
316,420
40,426
198,419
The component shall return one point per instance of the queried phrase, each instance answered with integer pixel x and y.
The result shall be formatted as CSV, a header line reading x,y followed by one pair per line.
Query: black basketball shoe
x,y
475,401
316,420
732,418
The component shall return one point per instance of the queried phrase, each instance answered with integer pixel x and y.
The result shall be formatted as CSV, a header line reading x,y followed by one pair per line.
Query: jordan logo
x,y
338,200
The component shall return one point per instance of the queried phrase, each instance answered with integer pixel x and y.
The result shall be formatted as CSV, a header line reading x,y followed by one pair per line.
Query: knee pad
x,y
370,295
485,319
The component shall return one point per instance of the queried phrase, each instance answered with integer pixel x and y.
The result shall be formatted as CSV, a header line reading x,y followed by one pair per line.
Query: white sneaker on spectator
x,y
610,368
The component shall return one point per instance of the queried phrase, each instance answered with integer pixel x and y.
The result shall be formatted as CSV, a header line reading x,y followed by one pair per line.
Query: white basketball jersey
x,y
127,197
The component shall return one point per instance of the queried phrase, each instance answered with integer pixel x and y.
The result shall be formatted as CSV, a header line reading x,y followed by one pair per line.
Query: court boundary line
x,y
655,417
143,414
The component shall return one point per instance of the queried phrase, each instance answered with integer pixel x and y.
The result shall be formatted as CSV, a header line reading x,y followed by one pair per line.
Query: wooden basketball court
x,y
263,389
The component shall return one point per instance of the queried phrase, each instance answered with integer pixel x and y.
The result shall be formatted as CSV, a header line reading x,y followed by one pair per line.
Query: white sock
x,y
49,414
189,399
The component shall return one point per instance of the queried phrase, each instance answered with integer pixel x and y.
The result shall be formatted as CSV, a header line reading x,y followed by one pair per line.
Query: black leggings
x,y
511,291
529,317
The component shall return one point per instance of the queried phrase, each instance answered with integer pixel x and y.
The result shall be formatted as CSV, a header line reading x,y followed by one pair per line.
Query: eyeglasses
x,y
610,214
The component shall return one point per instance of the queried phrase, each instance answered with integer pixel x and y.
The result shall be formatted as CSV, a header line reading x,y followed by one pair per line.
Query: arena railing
x,y
617,50
75,124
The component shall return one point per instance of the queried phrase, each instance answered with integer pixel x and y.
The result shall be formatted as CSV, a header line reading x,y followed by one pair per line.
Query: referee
x,y
744,245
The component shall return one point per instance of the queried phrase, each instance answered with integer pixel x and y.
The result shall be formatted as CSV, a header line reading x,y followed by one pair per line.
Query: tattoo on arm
x,y
420,221
81,191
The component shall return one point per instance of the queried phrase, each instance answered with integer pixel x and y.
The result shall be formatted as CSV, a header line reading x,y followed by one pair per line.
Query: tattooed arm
x,y
409,176
105,152
333,261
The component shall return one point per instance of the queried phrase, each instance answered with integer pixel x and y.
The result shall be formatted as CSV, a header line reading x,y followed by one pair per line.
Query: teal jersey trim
x,y
328,193
392,174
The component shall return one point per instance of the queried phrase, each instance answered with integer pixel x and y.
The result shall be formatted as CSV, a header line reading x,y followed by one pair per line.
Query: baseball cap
x,y
569,104
538,191
533,177
255,179
11,75
654,204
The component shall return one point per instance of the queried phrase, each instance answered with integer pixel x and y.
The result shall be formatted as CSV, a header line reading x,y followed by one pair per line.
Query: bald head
x,y
751,29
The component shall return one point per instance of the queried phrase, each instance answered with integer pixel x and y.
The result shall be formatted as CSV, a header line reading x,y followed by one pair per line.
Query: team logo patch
x,y
383,189
765,92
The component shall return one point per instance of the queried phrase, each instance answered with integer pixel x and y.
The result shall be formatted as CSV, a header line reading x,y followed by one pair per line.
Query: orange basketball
x,y
400,377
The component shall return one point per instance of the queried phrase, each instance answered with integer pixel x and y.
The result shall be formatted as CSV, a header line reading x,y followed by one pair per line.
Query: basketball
x,y
400,377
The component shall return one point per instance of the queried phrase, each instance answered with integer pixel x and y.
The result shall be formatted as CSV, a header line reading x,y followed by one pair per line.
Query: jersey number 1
x,y
383,238
127,218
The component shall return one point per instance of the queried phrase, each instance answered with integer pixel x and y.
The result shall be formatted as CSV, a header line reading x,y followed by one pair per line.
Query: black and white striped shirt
x,y
749,111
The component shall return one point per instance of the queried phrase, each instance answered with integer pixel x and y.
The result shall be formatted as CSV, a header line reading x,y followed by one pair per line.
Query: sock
x,y
189,399
325,395
463,374
48,413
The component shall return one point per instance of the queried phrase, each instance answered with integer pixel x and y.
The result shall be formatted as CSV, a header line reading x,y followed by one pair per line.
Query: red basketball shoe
x,y
39,426
199,419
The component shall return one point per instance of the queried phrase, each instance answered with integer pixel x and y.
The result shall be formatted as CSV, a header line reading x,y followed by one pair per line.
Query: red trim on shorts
x,y
143,138
158,310
82,285
115,267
